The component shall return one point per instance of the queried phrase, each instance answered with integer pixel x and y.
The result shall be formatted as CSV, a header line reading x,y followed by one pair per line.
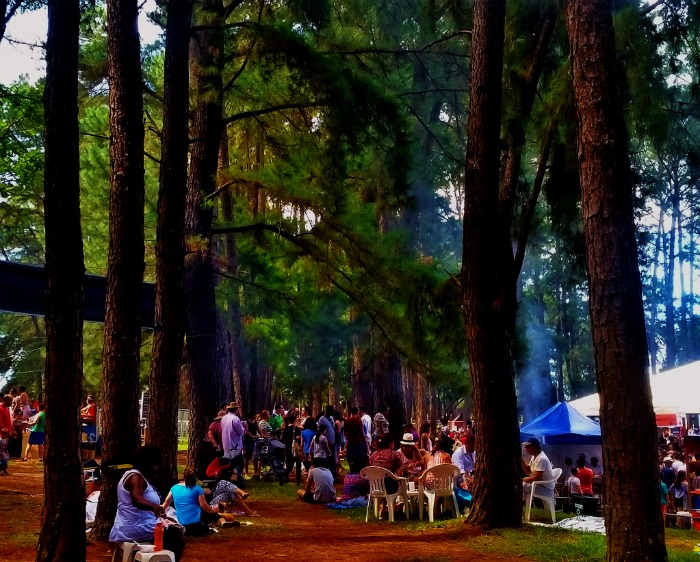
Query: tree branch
x,y
273,109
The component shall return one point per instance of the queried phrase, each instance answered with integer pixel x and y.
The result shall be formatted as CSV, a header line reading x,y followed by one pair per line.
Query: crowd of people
x,y
313,450
679,475
22,427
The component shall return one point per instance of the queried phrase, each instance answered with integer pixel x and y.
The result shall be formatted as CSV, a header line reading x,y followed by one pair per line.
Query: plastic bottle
x,y
158,536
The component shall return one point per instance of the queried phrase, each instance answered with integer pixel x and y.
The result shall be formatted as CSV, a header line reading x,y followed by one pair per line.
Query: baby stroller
x,y
271,457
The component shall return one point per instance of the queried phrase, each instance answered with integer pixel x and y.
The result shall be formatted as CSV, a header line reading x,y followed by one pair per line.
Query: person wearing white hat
x,y
412,461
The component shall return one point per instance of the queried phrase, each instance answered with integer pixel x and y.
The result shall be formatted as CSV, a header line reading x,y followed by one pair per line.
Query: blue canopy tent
x,y
562,424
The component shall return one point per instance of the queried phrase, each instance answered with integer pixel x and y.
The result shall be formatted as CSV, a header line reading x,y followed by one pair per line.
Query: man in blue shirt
x,y
463,457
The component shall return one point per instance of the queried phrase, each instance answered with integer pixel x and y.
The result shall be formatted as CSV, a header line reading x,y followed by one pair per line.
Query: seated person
x,y
463,457
319,484
193,512
538,468
441,454
411,459
138,505
386,457
585,475
354,486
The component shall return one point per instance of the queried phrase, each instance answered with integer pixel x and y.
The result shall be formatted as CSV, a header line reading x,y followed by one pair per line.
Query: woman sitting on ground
x,y
193,511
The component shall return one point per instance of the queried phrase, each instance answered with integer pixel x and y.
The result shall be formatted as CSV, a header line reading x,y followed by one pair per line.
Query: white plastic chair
x,y
377,490
548,500
443,486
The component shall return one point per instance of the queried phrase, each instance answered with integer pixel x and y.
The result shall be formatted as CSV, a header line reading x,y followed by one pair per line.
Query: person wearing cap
x,y
214,433
668,475
539,468
232,431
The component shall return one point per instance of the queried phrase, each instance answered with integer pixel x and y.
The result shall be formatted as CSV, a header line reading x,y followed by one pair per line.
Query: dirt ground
x,y
287,529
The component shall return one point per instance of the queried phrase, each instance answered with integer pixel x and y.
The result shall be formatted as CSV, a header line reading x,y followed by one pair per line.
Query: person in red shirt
x,y
585,475
5,416
88,414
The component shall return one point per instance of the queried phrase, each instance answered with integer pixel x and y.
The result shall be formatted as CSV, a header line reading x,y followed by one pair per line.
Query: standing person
x,y
138,505
319,485
321,449
408,428
381,425
276,419
573,484
679,493
596,467
251,432
214,434
5,415
366,427
232,431
339,440
307,437
265,432
328,423
291,435
36,436
15,444
426,443
4,451
538,468
356,449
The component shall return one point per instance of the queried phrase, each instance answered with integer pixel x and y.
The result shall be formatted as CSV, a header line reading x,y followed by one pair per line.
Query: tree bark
x,y
239,374
670,278
121,353
62,535
634,526
169,329
205,388
488,284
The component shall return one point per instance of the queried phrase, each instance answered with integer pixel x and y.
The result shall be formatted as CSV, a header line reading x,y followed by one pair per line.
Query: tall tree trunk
x,y
654,304
634,527
670,280
205,388
488,284
239,374
39,335
121,352
62,534
169,329
361,383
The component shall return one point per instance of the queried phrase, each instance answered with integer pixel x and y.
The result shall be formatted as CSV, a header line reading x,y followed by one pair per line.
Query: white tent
x,y
676,390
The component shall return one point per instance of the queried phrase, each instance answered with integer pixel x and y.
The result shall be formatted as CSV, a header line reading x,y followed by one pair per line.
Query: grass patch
x,y
182,443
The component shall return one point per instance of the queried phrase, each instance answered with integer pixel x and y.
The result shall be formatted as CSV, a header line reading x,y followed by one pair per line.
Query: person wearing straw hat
x,y
232,431
412,461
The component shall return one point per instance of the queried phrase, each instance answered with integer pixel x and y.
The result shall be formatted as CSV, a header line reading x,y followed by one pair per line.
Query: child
x,y
4,453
